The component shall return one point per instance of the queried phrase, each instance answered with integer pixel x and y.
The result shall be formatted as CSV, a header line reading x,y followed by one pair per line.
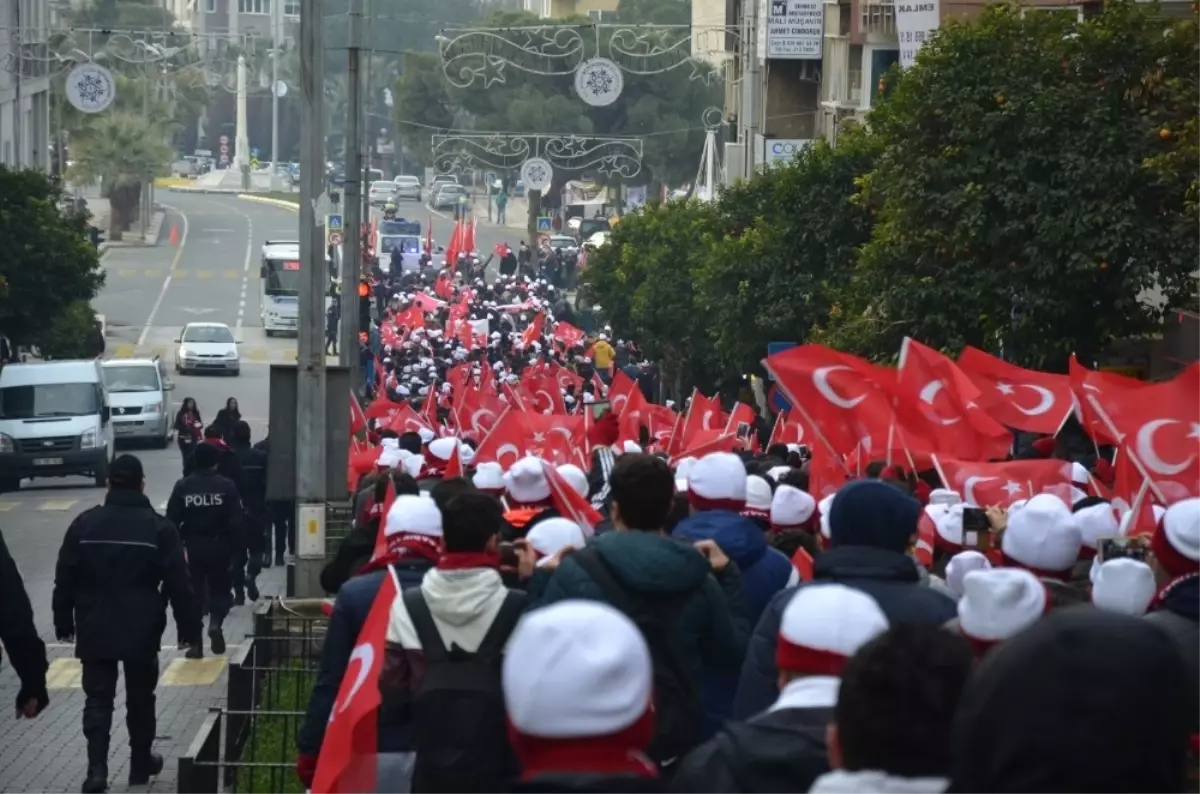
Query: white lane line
x,y
166,284
245,274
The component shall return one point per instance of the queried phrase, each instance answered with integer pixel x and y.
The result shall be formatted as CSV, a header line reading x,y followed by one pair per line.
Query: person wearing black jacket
x,y
113,560
228,464
226,418
206,508
19,636
280,516
248,562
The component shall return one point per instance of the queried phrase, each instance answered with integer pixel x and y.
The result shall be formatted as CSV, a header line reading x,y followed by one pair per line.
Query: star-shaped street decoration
x,y
702,71
491,70
538,42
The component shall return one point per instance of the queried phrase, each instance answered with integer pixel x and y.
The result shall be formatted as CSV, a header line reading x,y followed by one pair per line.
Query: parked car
x,y
408,187
381,192
447,197
566,242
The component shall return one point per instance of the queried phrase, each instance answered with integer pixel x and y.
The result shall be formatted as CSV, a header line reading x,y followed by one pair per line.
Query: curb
x,y
227,190
154,230
270,201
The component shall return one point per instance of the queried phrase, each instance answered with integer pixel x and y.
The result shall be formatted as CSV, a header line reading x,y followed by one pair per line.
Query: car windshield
x,y
453,189
562,242
407,180
406,245
48,399
382,186
131,378
207,333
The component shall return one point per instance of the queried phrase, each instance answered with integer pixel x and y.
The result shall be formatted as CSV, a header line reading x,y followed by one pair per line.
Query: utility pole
x,y
352,202
144,200
276,25
754,112
310,359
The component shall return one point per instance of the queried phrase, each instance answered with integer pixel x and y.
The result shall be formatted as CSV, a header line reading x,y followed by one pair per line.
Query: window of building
x,y
596,15
210,6
254,6
291,8
876,65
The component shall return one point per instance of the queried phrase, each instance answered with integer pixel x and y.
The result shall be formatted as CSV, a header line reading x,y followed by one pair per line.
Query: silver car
x,y
408,187
381,193
207,347
137,393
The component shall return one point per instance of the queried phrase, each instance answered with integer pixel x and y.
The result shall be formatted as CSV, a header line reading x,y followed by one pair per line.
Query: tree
x,y
49,263
422,104
643,281
792,238
120,151
70,334
1033,188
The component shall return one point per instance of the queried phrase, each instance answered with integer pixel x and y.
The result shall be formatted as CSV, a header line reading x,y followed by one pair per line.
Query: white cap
x,y
576,669
718,482
575,478
629,447
823,507
489,476
526,481
1042,536
758,497
777,473
1123,585
683,468
944,496
426,435
1095,522
443,448
412,515
997,604
947,519
791,507
823,625
960,565
389,457
552,535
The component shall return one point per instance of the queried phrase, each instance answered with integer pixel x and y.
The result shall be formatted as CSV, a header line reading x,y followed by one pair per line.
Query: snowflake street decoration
x,y
90,88
536,173
599,82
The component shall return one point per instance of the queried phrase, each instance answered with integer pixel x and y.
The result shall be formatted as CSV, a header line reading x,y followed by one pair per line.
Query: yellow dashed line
x,y
126,272
6,506
193,672
64,674
204,274
154,274
178,273
57,504
232,274
257,354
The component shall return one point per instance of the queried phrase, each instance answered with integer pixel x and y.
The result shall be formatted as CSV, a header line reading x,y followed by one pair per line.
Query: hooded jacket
x,y
712,627
782,749
764,571
1030,718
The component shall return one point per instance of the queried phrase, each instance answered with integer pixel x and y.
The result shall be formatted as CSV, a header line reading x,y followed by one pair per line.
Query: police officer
x,y
106,597
206,508
254,502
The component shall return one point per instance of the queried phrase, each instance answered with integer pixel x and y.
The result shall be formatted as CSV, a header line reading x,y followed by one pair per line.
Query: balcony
x,y
878,18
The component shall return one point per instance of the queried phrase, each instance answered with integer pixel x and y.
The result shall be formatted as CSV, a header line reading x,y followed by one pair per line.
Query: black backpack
x,y
459,724
679,711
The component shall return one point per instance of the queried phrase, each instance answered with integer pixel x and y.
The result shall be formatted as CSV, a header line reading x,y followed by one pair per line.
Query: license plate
x,y
47,461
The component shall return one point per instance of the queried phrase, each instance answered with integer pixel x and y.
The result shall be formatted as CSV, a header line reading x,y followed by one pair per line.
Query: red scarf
x,y
461,560
617,754
1167,588
404,547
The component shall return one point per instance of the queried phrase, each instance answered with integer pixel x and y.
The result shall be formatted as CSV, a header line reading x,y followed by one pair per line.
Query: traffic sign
x,y
545,224
333,223
335,238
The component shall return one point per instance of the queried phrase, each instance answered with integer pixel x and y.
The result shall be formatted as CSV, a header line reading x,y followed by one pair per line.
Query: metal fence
x,y
250,745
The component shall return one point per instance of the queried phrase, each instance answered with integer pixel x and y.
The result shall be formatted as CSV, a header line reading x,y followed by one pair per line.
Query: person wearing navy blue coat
x,y
716,494
872,524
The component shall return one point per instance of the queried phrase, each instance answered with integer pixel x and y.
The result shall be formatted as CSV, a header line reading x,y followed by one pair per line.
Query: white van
x,y
54,422
137,392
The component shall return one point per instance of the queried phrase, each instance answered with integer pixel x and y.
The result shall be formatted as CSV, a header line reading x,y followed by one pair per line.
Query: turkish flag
x,y
407,420
517,396
565,378
382,408
568,335
411,318
426,302
632,416
1088,387
569,502
704,413
802,561
618,392
350,749
660,421
788,429
468,244
518,434
826,473
706,443
429,408
1036,402
454,468
933,391
443,286
455,246
381,532
1131,491
358,420
504,443
741,414
846,398
477,411
545,394
534,332
1001,484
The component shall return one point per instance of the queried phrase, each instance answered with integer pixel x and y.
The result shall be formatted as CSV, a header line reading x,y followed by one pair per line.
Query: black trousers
x,y
247,561
100,690
210,570
186,447
283,520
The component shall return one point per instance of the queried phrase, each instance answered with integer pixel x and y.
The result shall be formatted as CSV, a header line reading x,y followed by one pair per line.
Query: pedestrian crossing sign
x,y
333,223
545,224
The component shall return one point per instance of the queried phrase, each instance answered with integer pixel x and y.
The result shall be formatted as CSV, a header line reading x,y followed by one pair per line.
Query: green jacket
x,y
712,629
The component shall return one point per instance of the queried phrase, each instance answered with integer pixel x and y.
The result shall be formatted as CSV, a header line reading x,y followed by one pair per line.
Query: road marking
x,y
229,274
245,272
166,284
126,272
64,674
193,672
220,231
57,504
204,274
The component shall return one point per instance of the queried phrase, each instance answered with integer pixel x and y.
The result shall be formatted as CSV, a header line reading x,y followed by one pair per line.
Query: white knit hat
x,y
683,467
413,515
758,497
718,482
824,625
426,435
526,481
944,496
489,476
1176,543
576,669
575,478
777,473
1095,522
389,457
791,507
823,507
947,518
552,535
443,448
1123,585
628,447
960,565
997,604
1042,536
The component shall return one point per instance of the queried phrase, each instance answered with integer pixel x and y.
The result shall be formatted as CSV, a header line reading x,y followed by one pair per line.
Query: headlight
x,y
186,353
89,440
231,354
154,409
6,444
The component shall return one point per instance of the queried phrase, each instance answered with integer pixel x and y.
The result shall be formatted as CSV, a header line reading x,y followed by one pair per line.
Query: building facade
x,y
599,10
25,85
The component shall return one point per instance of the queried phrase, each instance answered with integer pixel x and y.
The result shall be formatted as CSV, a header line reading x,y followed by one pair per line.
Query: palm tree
x,y
121,151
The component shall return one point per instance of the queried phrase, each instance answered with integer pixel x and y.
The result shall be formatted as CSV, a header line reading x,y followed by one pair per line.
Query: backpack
x,y
679,711
459,724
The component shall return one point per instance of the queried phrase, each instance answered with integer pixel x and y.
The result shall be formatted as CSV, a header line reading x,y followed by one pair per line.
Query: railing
x,y
250,745
878,17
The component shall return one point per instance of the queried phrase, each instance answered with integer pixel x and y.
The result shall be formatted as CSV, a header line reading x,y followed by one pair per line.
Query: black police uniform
x,y
208,511
254,503
106,595
280,515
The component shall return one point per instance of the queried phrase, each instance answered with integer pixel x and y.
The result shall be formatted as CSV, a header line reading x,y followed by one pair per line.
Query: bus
x,y
402,234
280,287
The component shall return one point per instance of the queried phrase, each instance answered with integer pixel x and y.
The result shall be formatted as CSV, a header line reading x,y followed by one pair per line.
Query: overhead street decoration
x,y
611,156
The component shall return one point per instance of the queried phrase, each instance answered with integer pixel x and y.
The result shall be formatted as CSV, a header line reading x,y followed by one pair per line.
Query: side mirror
x,y
237,341
178,341
168,386
105,413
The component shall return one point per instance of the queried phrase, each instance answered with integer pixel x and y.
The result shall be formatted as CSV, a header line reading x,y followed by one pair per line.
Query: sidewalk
x,y
100,217
50,753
